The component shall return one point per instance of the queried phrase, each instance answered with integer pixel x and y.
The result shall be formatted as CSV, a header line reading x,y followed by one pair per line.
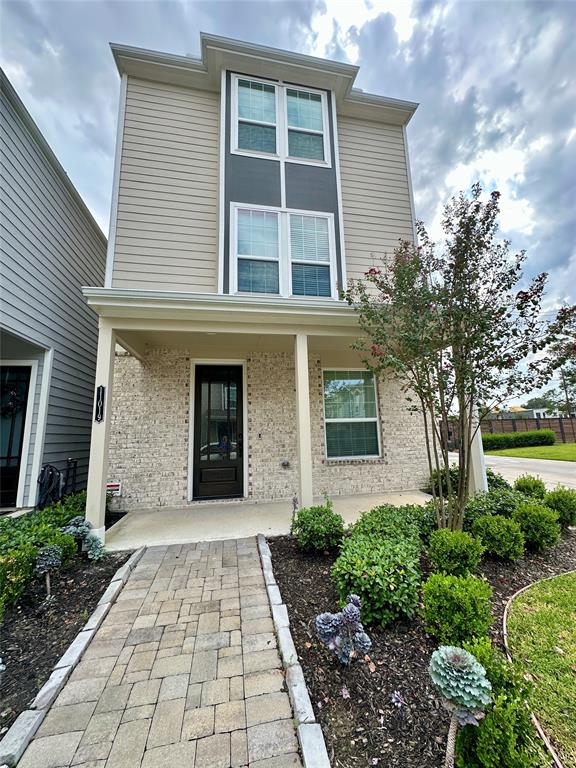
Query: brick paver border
x,y
310,737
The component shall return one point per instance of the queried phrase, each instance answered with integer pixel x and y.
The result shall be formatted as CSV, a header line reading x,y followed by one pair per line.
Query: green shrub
x,y
563,501
501,537
16,569
438,480
383,573
318,528
503,501
424,517
501,440
504,738
496,482
530,486
387,523
454,552
539,525
456,608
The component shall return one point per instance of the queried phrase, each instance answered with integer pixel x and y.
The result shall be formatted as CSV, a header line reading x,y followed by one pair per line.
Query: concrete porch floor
x,y
232,520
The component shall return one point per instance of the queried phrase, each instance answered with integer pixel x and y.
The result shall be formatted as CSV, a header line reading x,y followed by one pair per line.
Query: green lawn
x,y
542,635
559,451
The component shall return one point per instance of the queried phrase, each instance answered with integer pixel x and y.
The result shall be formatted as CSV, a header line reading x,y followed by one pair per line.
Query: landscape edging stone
x,y
22,730
309,732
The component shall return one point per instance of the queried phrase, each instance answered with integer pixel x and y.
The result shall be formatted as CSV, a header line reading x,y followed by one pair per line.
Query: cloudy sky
x,y
496,82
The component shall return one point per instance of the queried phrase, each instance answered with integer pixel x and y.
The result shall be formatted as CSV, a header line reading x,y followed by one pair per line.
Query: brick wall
x,y
150,426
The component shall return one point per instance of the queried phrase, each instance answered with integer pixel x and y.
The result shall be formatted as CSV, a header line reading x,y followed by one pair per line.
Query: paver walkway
x,y
183,672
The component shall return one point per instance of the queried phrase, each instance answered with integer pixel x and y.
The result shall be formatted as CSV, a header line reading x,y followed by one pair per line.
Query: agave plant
x,y
464,687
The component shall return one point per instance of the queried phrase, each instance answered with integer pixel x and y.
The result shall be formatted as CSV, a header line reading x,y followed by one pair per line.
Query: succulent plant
x,y
460,679
343,632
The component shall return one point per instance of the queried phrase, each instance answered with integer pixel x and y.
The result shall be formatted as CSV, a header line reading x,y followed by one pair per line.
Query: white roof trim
x,y
220,53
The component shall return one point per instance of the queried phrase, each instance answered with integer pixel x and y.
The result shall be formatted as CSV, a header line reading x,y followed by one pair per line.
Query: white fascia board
x,y
114,302
219,53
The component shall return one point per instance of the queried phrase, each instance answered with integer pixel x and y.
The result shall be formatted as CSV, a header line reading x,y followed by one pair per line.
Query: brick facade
x,y
150,433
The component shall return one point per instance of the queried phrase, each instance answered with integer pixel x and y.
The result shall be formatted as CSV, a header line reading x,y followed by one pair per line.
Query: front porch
x,y
232,520
261,436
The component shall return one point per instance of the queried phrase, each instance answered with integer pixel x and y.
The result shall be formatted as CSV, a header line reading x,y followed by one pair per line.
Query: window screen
x,y
350,414
256,116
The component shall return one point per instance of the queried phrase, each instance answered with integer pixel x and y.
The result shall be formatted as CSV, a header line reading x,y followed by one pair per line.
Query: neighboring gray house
x,y
50,246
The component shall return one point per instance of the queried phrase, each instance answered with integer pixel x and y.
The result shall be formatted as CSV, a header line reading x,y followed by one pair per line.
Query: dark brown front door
x,y
14,385
218,432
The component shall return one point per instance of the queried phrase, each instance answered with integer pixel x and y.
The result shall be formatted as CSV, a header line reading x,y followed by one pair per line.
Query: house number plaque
x,y
99,407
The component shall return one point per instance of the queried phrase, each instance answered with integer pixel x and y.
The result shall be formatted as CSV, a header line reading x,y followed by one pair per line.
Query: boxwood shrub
x,y
503,501
456,608
502,538
530,486
496,441
563,501
384,573
504,737
539,525
454,552
318,528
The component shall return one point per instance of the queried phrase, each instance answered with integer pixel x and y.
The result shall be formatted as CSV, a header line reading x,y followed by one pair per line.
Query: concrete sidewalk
x,y
184,672
234,519
552,472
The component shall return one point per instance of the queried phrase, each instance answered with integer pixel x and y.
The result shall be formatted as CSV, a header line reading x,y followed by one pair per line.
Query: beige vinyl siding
x,y
375,193
167,226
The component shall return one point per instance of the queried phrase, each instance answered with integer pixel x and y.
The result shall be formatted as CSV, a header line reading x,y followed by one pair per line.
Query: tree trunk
x,y
48,583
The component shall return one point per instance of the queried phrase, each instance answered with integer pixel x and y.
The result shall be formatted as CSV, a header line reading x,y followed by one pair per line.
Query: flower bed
x,y
36,632
384,710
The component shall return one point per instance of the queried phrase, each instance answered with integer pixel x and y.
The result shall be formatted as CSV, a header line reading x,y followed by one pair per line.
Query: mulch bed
x,y
361,724
35,633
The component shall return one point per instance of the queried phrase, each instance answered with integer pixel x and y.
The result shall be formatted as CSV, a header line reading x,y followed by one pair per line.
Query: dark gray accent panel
x,y
314,188
250,180
257,181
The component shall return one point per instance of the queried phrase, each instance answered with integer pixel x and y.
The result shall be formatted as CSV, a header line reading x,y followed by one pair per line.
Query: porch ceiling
x,y
229,345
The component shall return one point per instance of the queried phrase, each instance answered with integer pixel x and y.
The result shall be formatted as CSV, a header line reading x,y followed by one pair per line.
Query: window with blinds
x,y
280,252
350,414
273,119
310,255
258,252
256,116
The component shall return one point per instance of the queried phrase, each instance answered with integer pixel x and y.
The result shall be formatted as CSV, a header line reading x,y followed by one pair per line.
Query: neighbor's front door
x,y
218,432
14,385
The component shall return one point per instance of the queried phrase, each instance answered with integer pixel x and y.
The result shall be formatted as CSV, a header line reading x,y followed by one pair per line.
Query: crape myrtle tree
x,y
456,328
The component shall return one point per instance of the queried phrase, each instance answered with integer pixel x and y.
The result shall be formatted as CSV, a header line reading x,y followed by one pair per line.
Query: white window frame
x,y
284,252
375,418
281,153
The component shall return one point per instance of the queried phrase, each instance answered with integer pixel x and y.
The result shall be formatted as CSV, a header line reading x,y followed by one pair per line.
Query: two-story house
x,y
50,246
251,184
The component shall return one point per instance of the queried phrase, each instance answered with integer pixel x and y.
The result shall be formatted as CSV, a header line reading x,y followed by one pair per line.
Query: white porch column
x,y
303,420
477,481
98,469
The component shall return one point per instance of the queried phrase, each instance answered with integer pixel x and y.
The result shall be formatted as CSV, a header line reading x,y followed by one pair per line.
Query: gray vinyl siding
x,y
50,248
375,192
167,225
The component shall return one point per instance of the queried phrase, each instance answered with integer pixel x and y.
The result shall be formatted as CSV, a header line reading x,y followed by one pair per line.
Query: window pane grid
x,y
350,414
258,234
257,101
310,280
304,110
258,276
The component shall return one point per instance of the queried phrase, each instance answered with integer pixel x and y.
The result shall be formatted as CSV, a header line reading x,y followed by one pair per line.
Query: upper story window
x,y
282,252
279,121
256,117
